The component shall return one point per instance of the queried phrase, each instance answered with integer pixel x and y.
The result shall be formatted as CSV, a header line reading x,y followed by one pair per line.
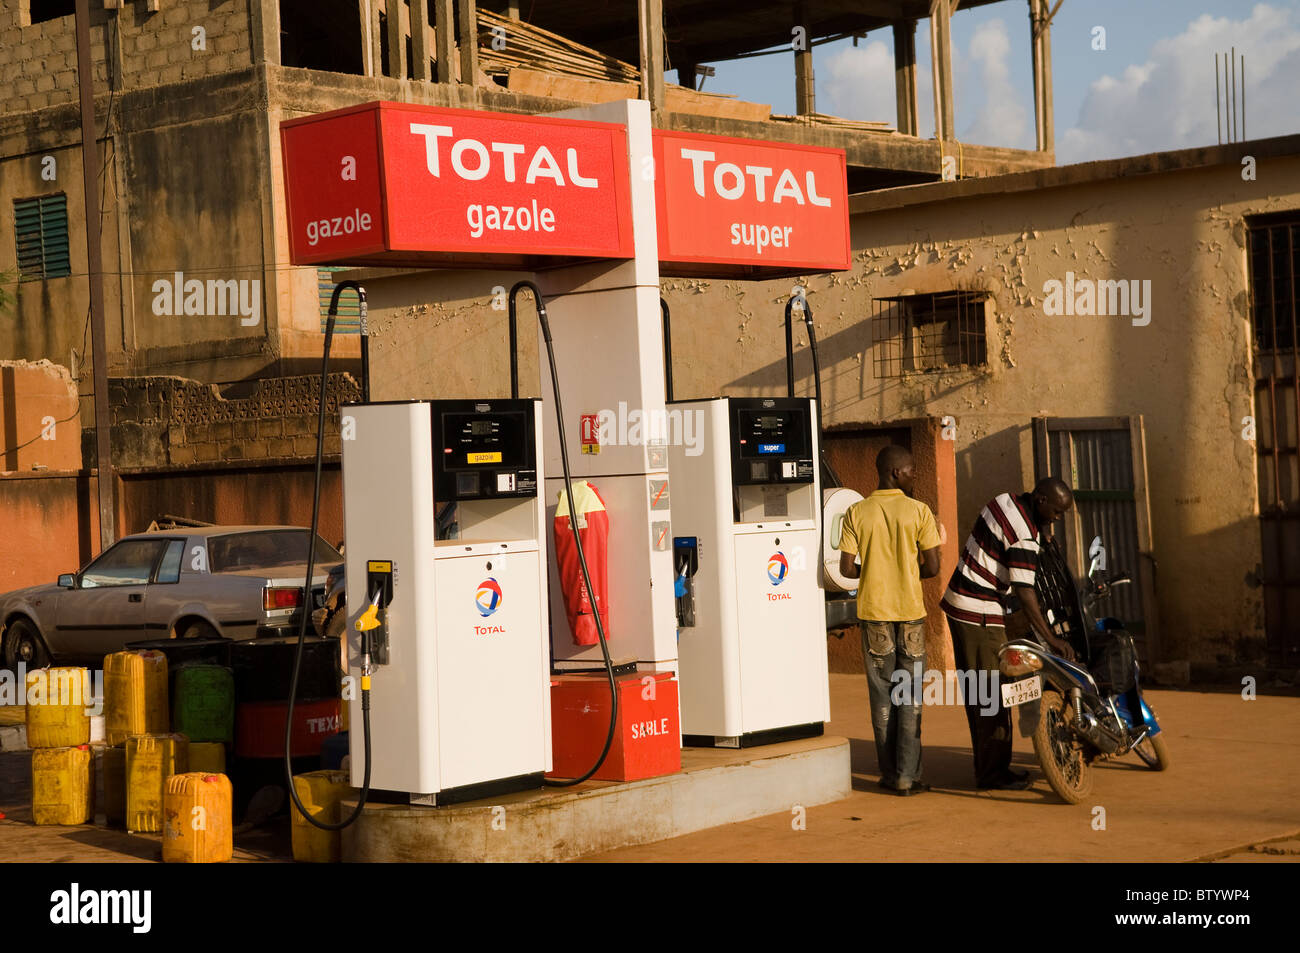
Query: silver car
x,y
236,582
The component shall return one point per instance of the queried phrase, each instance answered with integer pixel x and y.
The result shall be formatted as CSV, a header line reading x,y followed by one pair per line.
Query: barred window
x,y
41,233
1273,243
916,333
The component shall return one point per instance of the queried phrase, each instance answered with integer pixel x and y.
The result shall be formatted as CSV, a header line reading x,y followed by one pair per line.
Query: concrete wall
x,y
39,421
168,421
39,60
52,523
51,526
234,495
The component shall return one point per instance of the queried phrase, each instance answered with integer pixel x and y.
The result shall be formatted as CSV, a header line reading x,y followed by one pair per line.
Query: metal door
x,y
1274,263
1103,459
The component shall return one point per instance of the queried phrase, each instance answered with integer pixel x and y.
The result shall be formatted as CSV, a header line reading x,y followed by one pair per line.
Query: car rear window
x,y
266,549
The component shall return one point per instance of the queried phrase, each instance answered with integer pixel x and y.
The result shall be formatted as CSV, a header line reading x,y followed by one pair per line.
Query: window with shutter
x,y
41,237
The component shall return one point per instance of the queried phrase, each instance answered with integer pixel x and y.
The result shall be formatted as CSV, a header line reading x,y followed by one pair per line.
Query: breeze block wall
x,y
172,421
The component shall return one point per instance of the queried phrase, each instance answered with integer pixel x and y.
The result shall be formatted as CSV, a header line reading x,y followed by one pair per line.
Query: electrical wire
x,y
577,538
306,594
6,450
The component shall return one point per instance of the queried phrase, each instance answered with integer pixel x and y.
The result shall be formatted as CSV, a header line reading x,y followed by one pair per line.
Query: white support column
x,y
608,335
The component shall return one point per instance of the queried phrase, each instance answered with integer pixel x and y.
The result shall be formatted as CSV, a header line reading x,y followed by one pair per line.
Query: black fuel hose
x,y
311,567
827,469
573,525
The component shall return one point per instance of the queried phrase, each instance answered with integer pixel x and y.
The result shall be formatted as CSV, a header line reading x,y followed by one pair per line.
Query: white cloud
x,y
1168,101
861,86
1002,118
861,83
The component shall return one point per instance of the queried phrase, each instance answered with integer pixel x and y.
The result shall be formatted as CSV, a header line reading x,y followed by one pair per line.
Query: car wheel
x,y
23,644
198,630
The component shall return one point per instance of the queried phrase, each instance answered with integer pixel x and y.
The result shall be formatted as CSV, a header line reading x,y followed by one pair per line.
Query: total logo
x,y
777,569
488,597
488,600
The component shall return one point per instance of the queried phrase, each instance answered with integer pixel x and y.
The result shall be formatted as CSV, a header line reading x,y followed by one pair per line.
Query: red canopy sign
x,y
397,184
761,207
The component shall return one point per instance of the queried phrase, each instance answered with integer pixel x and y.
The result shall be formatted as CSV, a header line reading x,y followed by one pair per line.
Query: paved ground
x,y
1230,793
1229,796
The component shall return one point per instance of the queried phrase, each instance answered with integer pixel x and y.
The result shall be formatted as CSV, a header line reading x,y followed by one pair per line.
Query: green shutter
x,y
41,237
348,320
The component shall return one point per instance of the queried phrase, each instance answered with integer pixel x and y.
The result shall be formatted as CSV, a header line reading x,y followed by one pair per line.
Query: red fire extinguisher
x,y
593,527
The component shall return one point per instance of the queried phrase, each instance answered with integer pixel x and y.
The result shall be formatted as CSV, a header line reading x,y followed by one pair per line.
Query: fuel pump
x,y
461,707
747,552
752,643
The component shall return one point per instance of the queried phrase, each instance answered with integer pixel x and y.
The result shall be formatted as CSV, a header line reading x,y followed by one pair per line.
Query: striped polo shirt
x,y
1001,552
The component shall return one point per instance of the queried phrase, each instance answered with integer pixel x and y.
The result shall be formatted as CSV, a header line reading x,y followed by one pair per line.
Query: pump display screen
x,y
771,440
475,440
772,434
484,449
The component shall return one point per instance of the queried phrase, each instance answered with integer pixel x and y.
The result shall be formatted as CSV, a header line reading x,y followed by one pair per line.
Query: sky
x,y
1151,88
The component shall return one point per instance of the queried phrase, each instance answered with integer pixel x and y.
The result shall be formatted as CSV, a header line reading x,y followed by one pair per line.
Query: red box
x,y
647,737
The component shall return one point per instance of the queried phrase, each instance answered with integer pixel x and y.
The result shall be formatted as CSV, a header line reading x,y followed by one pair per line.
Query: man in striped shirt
x,y
1000,555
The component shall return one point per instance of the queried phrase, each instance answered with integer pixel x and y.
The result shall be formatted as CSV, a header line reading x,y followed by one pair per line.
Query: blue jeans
x,y
887,648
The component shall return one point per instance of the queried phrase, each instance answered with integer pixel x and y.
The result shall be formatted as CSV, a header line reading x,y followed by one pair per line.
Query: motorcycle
x,y
1090,709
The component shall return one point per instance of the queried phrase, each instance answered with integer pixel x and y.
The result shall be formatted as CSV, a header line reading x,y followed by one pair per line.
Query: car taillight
x,y
1020,662
281,597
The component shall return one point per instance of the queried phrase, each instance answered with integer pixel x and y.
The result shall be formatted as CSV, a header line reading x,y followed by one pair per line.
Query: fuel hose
x,y
573,523
311,568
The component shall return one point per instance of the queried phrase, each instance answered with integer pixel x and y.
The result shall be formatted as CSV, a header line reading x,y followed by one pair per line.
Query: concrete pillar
x,y
468,14
905,76
265,31
445,39
608,334
1040,33
371,50
805,98
941,64
651,16
420,52
1049,124
396,40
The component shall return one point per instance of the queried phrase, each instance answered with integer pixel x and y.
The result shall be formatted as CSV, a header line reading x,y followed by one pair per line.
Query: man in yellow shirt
x,y
897,539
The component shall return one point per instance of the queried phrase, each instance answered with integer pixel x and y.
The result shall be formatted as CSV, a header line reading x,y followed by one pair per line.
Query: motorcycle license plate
x,y
1025,690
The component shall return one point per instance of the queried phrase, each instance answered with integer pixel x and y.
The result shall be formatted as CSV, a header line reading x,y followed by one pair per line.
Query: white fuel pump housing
x,y
747,539
460,699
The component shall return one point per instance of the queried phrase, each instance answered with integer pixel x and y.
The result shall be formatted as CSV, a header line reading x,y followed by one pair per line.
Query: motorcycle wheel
x,y
1059,754
1154,753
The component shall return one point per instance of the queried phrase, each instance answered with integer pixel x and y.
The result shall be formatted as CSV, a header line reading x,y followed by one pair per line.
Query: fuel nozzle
x,y
366,623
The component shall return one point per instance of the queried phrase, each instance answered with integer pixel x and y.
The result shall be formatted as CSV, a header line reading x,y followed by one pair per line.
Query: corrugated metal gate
x,y
1104,462
1273,249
